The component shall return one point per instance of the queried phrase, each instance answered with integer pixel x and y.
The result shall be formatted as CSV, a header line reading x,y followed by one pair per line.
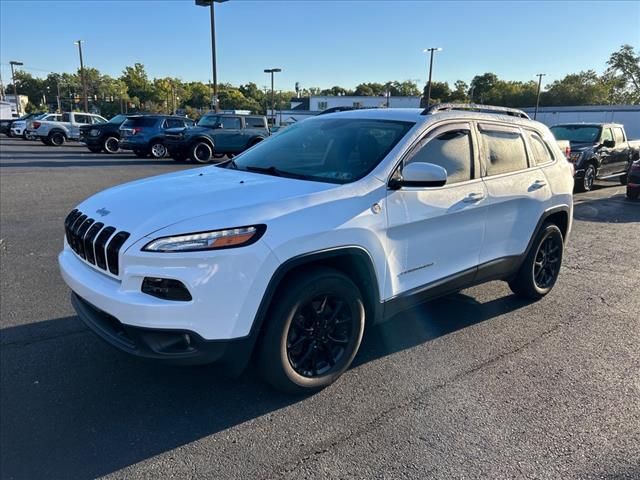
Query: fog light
x,y
166,289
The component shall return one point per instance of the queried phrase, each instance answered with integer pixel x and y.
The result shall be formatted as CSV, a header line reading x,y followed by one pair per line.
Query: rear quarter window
x,y
255,122
140,122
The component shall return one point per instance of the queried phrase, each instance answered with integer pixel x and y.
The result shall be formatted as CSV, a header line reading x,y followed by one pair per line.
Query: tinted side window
x,y
618,135
539,149
255,122
82,119
189,123
231,122
504,151
451,150
173,123
606,135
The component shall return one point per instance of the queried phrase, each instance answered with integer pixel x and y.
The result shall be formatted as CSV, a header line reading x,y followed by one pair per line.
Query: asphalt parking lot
x,y
475,385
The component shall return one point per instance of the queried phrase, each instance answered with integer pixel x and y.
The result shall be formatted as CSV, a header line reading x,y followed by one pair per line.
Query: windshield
x,y
209,121
577,133
334,150
118,119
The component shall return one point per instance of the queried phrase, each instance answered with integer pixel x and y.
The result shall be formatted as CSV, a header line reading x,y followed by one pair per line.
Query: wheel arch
x,y
201,138
57,130
559,215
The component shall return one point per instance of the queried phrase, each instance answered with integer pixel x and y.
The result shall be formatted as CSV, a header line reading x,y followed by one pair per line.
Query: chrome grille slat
x,y
93,242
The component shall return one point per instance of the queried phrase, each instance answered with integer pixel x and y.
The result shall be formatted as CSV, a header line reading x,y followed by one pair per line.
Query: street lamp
x,y
539,75
13,79
210,3
272,71
431,50
82,77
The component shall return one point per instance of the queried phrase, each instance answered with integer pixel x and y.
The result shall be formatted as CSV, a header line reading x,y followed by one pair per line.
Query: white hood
x,y
145,206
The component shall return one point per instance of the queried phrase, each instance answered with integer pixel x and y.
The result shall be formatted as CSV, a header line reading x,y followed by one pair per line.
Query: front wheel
x,y
586,183
201,152
111,144
314,332
539,271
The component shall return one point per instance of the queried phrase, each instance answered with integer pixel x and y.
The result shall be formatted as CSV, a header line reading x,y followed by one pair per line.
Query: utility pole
x,y
58,98
431,50
13,63
539,75
82,76
273,113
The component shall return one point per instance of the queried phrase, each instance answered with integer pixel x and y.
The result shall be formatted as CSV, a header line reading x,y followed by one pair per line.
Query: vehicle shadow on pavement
x,y
72,407
615,209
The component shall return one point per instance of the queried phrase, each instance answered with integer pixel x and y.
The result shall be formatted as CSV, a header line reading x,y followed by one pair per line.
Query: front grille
x,y
93,242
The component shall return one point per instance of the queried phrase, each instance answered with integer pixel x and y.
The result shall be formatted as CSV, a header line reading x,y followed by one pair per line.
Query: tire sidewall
x,y
59,136
106,142
586,186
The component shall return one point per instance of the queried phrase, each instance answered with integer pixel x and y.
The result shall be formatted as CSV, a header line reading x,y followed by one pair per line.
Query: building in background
x,y
23,99
627,115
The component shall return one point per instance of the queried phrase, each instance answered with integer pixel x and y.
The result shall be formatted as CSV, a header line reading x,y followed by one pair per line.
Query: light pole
x,y
82,77
431,50
210,4
273,113
539,75
13,63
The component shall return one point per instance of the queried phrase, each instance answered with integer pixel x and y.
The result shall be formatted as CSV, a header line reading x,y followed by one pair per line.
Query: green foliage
x,y
584,88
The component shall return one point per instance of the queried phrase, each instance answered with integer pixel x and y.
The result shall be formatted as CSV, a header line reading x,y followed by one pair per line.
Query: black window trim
x,y
462,124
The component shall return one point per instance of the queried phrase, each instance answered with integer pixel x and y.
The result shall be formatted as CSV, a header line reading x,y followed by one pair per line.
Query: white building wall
x,y
319,103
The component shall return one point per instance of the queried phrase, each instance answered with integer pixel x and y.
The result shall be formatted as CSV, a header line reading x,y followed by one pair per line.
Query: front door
x,y
228,137
435,234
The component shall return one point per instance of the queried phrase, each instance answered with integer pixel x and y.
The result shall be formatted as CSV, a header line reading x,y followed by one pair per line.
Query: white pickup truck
x,y
56,133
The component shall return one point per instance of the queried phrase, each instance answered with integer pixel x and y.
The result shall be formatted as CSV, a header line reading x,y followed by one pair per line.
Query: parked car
x,y
285,252
7,116
56,133
28,130
145,134
103,136
633,181
598,151
217,135
8,124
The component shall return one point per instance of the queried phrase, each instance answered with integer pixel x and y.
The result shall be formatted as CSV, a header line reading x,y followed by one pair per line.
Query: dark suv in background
x,y
216,135
103,136
145,134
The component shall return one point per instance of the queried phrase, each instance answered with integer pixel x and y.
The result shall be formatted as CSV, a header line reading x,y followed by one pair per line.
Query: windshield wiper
x,y
276,172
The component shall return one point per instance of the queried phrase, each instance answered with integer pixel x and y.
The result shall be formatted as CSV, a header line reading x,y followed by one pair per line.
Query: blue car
x,y
144,134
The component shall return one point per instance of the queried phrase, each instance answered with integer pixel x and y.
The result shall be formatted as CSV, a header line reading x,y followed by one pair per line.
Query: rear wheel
x,y
111,144
158,150
314,332
539,271
201,152
56,139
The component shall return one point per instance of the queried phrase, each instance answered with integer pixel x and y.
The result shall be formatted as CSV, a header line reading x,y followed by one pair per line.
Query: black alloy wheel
x,y
547,264
111,144
319,335
589,178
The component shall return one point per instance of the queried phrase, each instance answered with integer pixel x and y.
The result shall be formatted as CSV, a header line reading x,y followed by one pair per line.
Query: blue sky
x,y
318,43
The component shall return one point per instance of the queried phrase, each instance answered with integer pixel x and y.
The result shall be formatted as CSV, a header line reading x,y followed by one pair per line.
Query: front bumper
x,y
173,346
17,131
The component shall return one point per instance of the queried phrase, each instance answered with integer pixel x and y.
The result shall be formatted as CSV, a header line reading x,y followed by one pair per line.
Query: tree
x,y
584,88
481,85
623,75
460,93
27,85
370,89
440,92
137,81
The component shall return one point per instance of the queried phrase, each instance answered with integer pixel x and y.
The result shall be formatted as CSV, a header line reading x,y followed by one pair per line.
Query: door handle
x,y
538,184
473,197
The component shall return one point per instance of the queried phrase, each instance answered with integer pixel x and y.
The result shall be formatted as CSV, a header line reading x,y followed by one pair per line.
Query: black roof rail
x,y
474,107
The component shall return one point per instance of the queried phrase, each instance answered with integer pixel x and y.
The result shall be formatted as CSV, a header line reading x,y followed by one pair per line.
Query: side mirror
x,y
420,174
609,143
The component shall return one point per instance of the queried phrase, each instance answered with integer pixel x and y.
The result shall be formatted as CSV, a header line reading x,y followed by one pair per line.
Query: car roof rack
x,y
474,107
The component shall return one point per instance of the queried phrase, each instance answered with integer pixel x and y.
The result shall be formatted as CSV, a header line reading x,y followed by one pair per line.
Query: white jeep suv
x,y
288,251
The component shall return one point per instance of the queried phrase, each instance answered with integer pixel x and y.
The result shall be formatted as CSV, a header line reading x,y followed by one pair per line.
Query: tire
x,y
586,182
539,271
95,149
157,150
201,152
296,353
111,144
140,153
56,139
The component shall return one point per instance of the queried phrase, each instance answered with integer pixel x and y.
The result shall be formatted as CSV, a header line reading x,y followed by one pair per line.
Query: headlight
x,y
216,239
94,132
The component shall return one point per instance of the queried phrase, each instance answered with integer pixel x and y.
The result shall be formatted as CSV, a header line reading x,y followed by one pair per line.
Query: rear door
x,y
621,155
517,190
